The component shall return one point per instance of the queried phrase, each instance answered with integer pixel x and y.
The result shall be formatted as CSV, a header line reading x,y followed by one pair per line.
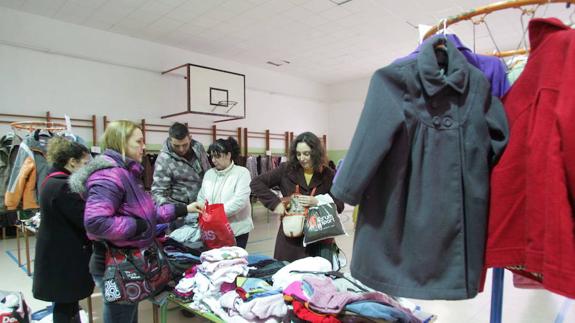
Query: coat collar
x,y
540,28
432,77
297,177
134,167
225,171
55,169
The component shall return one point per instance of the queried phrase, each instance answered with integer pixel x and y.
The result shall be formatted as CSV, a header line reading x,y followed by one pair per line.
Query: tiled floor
x,y
519,305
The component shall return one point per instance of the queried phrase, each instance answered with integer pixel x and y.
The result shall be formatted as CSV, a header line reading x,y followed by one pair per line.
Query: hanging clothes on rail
x,y
148,162
492,67
5,149
531,224
28,171
9,144
419,165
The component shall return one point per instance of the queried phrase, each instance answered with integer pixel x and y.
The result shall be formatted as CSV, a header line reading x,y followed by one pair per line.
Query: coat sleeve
x,y
498,129
380,119
339,203
261,187
101,218
22,187
566,124
166,213
162,180
241,194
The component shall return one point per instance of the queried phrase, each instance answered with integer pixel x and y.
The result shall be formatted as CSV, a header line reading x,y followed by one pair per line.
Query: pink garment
x,y
327,299
294,290
226,287
264,307
191,272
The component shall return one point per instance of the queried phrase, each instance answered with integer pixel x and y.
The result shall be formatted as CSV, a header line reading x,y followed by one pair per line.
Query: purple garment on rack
x,y
492,67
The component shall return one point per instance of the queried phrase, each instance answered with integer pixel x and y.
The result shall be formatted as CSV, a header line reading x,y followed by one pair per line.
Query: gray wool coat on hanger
x,y
419,166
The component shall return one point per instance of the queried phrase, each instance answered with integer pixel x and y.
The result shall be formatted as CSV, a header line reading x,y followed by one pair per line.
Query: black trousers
x,y
66,313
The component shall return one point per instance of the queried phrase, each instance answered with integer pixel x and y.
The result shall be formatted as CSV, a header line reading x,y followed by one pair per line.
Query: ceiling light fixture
x,y
340,2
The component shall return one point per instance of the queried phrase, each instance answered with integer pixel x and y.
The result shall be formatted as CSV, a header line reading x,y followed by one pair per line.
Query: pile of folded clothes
x,y
272,291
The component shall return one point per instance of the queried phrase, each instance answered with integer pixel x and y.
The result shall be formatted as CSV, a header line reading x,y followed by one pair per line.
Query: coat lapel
x,y
297,178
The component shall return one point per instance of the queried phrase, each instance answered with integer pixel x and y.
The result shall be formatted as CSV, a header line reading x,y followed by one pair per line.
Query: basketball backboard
x,y
212,92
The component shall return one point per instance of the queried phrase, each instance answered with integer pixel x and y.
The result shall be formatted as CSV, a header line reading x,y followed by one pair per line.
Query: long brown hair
x,y
318,155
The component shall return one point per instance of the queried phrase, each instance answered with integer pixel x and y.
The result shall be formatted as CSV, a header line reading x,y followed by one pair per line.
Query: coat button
x,y
436,122
447,122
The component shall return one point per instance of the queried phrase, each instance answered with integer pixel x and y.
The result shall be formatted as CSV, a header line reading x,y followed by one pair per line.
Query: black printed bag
x,y
322,223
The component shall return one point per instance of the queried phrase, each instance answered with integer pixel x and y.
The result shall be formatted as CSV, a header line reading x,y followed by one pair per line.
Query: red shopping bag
x,y
216,230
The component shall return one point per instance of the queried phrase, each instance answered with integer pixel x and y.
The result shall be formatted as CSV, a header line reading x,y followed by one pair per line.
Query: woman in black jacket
x,y
62,249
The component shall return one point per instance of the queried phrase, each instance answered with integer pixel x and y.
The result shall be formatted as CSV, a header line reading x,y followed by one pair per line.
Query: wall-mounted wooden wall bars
x,y
242,135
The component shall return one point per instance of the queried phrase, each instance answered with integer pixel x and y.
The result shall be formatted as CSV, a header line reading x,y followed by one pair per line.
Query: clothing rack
x,y
47,121
498,273
486,10
31,126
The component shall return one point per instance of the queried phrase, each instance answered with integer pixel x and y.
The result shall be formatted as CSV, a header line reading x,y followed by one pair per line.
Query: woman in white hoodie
x,y
229,184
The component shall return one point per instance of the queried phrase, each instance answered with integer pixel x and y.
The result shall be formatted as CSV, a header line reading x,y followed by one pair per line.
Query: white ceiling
x,y
322,41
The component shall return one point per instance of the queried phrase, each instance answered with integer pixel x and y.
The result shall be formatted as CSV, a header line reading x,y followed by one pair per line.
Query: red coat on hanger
x,y
531,221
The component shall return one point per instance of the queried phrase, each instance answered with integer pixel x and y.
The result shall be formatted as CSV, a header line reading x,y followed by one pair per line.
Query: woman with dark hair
x,y
63,251
229,184
306,168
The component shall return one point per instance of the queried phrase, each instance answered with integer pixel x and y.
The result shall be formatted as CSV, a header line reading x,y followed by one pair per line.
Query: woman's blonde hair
x,y
116,135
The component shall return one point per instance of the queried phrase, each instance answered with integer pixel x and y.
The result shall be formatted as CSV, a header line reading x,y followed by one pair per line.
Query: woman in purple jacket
x,y
118,210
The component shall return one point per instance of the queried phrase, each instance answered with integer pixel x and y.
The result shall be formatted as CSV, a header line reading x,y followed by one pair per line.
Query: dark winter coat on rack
x,y
62,249
419,166
286,179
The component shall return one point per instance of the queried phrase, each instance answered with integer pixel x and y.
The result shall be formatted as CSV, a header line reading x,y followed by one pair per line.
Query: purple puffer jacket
x,y
115,197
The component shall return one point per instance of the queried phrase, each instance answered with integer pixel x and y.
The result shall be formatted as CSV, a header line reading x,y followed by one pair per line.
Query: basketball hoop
x,y
227,104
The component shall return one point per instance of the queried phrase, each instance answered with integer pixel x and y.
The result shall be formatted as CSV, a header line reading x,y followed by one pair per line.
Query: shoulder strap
x,y
54,174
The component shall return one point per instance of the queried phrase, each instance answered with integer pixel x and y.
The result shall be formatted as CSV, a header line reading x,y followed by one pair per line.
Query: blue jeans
x,y
117,313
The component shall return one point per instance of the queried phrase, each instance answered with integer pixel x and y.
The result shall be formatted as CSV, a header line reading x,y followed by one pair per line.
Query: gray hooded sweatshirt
x,y
176,179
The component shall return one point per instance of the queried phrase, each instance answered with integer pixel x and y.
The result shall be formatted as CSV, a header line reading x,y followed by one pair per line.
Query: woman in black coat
x,y
306,168
62,249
